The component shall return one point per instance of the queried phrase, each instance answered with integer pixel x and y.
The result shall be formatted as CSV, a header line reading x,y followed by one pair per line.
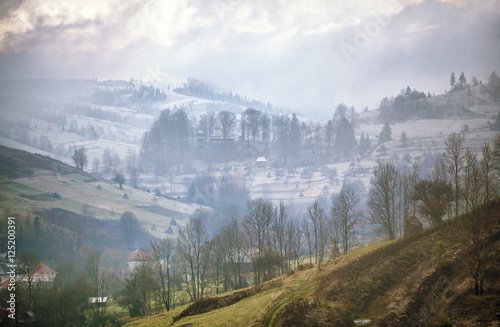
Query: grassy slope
x,y
33,177
398,283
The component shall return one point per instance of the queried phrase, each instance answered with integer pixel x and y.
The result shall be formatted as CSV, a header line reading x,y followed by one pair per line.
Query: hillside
x,y
69,119
32,183
406,282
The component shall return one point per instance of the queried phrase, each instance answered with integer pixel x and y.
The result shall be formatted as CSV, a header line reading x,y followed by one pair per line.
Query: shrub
x,y
442,321
55,195
304,266
212,303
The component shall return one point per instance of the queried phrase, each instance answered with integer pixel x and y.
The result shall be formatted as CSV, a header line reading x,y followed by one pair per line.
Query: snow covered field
x,y
424,136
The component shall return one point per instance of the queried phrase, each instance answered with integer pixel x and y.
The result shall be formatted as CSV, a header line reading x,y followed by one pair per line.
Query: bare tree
x,y
144,275
265,122
98,282
107,159
208,124
334,238
218,261
194,248
227,122
162,254
408,201
322,239
487,170
382,199
306,230
315,214
347,215
28,265
95,165
293,244
472,191
258,225
496,152
433,194
478,222
252,117
454,154
413,179
236,244
132,165
279,231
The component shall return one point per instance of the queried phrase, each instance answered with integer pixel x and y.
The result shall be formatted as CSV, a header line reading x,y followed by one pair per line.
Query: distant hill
x,y
36,117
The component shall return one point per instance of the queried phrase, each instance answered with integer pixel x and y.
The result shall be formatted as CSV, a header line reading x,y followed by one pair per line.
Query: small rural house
x,y
261,162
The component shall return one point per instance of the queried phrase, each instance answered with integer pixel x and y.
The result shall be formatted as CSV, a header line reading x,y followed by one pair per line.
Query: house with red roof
x,y
42,273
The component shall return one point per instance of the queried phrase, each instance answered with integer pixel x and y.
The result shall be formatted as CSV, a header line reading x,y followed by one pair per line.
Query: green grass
x,y
19,189
4,197
76,190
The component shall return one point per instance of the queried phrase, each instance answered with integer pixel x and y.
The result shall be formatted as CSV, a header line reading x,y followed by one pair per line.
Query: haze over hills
x,y
249,163
109,119
306,56
179,167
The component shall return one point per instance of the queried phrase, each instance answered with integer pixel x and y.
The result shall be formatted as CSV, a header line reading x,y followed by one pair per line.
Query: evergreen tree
x,y
452,80
294,137
364,144
462,80
493,78
345,141
329,133
403,138
386,134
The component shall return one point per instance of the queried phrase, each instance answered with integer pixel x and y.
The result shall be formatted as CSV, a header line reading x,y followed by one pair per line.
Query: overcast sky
x,y
305,55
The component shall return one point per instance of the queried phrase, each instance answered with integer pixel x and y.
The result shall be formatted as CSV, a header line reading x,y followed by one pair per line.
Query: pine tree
x,y
364,144
462,80
294,137
403,138
452,81
386,134
345,142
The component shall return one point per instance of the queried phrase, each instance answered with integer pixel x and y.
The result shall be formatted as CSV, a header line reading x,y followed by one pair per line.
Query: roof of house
x,y
414,221
261,159
138,255
4,285
98,299
43,269
4,269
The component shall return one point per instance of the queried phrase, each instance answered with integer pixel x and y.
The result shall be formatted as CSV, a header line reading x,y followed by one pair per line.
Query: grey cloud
x,y
8,6
308,73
